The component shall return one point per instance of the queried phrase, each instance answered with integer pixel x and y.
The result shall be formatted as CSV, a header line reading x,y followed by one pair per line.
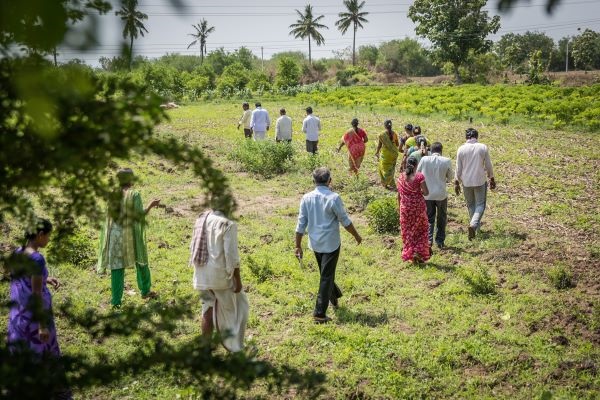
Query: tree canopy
x,y
353,16
307,26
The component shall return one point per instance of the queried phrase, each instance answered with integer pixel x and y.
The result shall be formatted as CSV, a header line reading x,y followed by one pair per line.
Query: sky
x,y
264,24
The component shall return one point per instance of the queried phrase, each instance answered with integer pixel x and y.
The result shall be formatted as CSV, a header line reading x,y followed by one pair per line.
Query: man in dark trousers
x,y
321,213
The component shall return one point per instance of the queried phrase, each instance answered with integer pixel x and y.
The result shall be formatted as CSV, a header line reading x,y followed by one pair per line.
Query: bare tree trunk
x,y
201,53
54,54
130,52
457,74
309,59
354,47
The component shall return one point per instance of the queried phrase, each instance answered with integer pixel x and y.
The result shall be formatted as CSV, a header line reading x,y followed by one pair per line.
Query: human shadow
x,y
439,267
346,316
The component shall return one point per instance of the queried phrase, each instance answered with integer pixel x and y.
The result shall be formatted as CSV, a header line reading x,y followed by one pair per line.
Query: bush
x,y
382,215
288,73
265,158
560,277
234,77
259,81
479,280
74,248
262,270
358,189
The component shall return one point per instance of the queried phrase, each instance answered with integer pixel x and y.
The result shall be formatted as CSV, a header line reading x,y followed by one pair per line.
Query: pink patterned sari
x,y
413,218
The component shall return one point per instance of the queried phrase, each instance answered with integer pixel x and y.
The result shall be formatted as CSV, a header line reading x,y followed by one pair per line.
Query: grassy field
x,y
402,331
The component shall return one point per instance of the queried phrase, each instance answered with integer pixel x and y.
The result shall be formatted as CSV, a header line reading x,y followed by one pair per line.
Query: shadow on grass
x,y
346,316
438,266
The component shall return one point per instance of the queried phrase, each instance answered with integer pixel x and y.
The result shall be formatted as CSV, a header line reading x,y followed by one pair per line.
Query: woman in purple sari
x,y
28,287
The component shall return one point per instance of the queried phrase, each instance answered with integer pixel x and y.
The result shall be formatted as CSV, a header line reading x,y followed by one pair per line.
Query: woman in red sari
x,y
413,214
355,140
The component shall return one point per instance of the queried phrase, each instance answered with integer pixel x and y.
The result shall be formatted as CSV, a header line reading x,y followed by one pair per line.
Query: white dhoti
x,y
259,135
230,315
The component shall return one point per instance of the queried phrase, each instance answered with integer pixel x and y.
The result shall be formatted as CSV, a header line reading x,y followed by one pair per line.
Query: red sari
x,y
413,218
355,141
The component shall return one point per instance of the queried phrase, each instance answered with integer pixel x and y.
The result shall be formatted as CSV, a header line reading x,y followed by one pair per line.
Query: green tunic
x,y
123,240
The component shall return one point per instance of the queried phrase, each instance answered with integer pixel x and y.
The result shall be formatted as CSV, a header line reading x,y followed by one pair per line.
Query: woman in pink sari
x,y
413,214
355,140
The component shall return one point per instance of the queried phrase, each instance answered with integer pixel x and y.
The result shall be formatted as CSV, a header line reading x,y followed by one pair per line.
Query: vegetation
x,y
383,216
133,23
353,16
307,27
200,36
265,158
560,277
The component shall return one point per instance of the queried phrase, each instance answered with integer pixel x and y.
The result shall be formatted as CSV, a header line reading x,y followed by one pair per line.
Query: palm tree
x,y
306,27
202,32
353,16
132,23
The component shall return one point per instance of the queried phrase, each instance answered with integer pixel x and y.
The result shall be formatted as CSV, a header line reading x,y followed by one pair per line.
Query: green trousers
x,y
117,282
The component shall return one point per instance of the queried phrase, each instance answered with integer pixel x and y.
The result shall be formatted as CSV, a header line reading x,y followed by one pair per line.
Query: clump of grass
x,y
479,280
265,158
560,277
261,270
74,247
382,215
309,162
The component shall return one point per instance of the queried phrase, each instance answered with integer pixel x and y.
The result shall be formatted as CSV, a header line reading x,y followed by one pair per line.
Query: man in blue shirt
x,y
321,213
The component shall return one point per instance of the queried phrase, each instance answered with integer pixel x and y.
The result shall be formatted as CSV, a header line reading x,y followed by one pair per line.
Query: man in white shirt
x,y
311,126
437,171
259,122
283,127
473,163
216,261
245,121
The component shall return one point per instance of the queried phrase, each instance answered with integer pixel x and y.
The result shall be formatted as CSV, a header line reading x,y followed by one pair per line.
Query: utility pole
x,y
262,59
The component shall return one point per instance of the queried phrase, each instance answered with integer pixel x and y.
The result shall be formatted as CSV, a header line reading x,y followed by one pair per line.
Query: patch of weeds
x,y
261,270
309,162
479,280
382,215
358,190
595,318
595,252
560,277
549,208
265,158
72,247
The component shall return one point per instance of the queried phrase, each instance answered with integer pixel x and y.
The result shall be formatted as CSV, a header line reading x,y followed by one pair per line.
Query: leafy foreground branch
x,y
192,363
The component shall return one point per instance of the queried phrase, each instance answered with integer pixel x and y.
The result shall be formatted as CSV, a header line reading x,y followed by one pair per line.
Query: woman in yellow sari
x,y
388,146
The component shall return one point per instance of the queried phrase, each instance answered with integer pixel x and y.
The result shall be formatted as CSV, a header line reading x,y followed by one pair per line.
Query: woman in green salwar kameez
x,y
123,239
388,146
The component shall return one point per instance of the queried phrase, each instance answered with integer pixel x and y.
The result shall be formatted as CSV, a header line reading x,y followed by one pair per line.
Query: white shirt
x,y
283,128
223,255
246,117
472,163
260,120
437,171
311,126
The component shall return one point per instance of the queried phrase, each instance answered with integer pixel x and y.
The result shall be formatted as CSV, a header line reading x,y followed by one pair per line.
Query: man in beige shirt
x,y
245,121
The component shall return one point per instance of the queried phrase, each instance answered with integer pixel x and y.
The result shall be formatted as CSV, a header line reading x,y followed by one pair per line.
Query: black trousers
x,y
439,207
248,133
327,287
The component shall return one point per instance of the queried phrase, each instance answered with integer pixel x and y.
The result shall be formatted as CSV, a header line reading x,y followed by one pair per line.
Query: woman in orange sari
x,y
355,140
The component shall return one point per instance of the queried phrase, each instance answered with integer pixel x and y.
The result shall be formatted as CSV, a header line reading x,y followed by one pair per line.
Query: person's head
x,y
125,177
321,176
421,141
282,111
411,165
436,148
408,128
245,106
354,122
388,124
417,130
257,104
39,234
471,133
309,110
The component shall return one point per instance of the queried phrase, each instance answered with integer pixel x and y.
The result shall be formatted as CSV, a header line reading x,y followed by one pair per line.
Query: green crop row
x,y
546,105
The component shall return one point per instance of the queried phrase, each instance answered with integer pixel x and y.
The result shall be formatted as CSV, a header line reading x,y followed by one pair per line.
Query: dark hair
x,y
354,122
257,104
245,104
309,110
42,225
420,139
321,175
471,133
417,128
388,123
408,127
437,147
282,111
411,165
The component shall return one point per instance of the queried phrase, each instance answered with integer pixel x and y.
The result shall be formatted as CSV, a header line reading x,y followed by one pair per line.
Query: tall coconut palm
x,y
353,16
306,27
133,24
202,32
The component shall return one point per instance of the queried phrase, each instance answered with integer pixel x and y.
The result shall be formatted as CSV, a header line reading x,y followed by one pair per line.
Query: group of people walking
x,y
257,122
214,255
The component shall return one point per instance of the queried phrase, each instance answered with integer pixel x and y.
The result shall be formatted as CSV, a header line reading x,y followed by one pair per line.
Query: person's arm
x,y
365,137
424,188
268,120
241,121
379,144
304,125
489,169
232,255
298,251
458,173
277,127
252,120
352,230
342,216
150,206
301,228
342,143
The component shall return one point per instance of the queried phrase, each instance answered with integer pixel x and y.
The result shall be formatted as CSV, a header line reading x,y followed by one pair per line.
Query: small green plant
x,y
309,162
561,277
358,189
261,270
265,158
479,280
74,248
382,215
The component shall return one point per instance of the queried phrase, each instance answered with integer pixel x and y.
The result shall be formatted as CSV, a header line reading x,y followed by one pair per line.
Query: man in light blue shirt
x,y
321,213
259,122
438,172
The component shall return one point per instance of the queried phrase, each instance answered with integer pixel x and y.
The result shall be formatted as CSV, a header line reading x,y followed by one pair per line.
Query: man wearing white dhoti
x,y
216,261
